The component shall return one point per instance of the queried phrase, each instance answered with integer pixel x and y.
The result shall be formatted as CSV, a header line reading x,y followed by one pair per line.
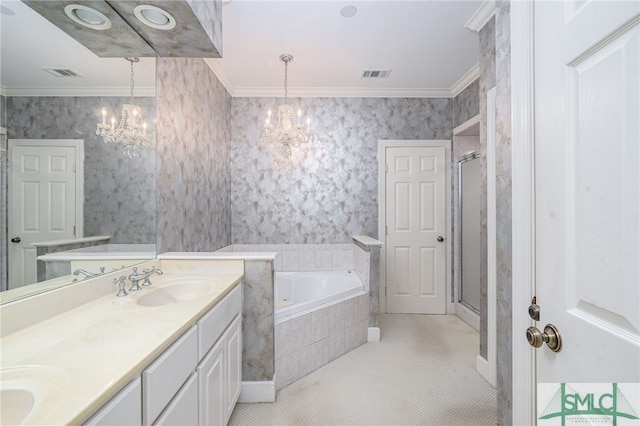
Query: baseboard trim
x,y
482,367
257,392
373,334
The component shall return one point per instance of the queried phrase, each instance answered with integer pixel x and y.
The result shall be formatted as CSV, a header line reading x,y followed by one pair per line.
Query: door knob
x,y
440,239
16,240
550,336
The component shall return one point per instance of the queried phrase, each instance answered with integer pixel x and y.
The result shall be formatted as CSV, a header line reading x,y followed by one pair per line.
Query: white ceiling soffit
x,y
424,43
30,44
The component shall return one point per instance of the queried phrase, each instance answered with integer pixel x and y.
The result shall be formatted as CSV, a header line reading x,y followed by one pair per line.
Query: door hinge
x,y
385,292
386,168
74,167
74,230
386,231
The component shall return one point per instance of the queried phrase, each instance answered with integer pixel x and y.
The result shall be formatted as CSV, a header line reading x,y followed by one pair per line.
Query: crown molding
x,y
339,92
472,75
78,91
214,65
481,16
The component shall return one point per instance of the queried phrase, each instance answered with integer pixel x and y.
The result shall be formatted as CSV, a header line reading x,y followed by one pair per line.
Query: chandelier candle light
x,y
287,131
131,131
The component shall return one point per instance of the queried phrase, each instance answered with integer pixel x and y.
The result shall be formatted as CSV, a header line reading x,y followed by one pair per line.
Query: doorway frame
x,y
523,210
383,144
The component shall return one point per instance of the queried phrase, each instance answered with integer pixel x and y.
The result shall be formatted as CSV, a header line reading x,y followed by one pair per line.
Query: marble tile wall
x,y
466,104
503,213
487,81
194,180
119,191
258,347
327,191
307,342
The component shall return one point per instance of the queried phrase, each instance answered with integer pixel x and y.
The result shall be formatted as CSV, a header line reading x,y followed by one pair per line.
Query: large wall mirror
x,y
44,102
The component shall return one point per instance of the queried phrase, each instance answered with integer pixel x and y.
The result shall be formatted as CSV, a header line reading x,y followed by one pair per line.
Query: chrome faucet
x,y
135,277
121,282
88,274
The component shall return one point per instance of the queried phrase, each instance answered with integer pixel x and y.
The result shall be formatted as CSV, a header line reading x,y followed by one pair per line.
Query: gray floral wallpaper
x,y
119,192
327,191
194,180
503,211
466,104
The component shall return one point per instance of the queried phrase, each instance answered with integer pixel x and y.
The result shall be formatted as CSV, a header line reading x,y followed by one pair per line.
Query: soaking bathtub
x,y
299,292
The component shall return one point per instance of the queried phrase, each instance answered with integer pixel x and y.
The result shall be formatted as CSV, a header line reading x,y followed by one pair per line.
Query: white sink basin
x,y
28,390
183,290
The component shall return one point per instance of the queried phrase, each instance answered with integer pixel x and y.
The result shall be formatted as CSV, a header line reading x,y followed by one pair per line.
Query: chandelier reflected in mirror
x,y
131,130
286,130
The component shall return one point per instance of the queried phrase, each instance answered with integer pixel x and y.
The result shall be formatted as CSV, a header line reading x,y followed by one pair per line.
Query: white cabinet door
x,y
211,386
233,337
124,409
183,410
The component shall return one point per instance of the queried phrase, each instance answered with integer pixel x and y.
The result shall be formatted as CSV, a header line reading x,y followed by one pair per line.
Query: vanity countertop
x,y
91,351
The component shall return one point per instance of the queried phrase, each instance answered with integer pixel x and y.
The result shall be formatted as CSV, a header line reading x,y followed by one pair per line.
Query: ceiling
x,y
423,42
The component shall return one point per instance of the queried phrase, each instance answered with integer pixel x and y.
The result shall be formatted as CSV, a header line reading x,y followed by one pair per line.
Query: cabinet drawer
x,y
213,323
165,376
183,410
124,409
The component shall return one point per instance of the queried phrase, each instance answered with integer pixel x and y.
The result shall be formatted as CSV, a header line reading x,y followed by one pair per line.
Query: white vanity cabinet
x,y
197,380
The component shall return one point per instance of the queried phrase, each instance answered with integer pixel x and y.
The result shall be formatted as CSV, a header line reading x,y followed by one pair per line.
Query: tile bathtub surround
x,y
194,183
307,342
327,191
119,191
307,257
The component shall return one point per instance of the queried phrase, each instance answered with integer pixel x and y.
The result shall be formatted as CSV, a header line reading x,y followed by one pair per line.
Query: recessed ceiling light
x,y
154,17
87,17
348,11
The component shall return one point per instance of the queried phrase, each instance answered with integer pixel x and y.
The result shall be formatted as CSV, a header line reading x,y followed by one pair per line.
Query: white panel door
x,y
587,141
416,220
42,197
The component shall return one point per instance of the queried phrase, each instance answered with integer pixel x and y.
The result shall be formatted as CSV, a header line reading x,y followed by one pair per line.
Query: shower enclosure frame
x,y
475,155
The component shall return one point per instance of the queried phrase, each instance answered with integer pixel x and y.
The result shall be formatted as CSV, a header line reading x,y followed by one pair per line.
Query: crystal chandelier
x,y
286,131
131,131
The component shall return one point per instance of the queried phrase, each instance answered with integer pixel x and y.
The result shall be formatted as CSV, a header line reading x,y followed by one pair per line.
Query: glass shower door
x,y
469,190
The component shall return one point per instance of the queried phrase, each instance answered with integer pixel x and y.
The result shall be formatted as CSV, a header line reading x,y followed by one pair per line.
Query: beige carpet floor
x,y
421,373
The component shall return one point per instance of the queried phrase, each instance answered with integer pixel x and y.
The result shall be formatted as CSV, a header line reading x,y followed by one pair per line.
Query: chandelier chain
x,y
286,78
131,78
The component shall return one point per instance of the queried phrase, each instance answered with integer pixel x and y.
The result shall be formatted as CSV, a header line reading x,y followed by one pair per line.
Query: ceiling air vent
x,y
375,73
61,72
